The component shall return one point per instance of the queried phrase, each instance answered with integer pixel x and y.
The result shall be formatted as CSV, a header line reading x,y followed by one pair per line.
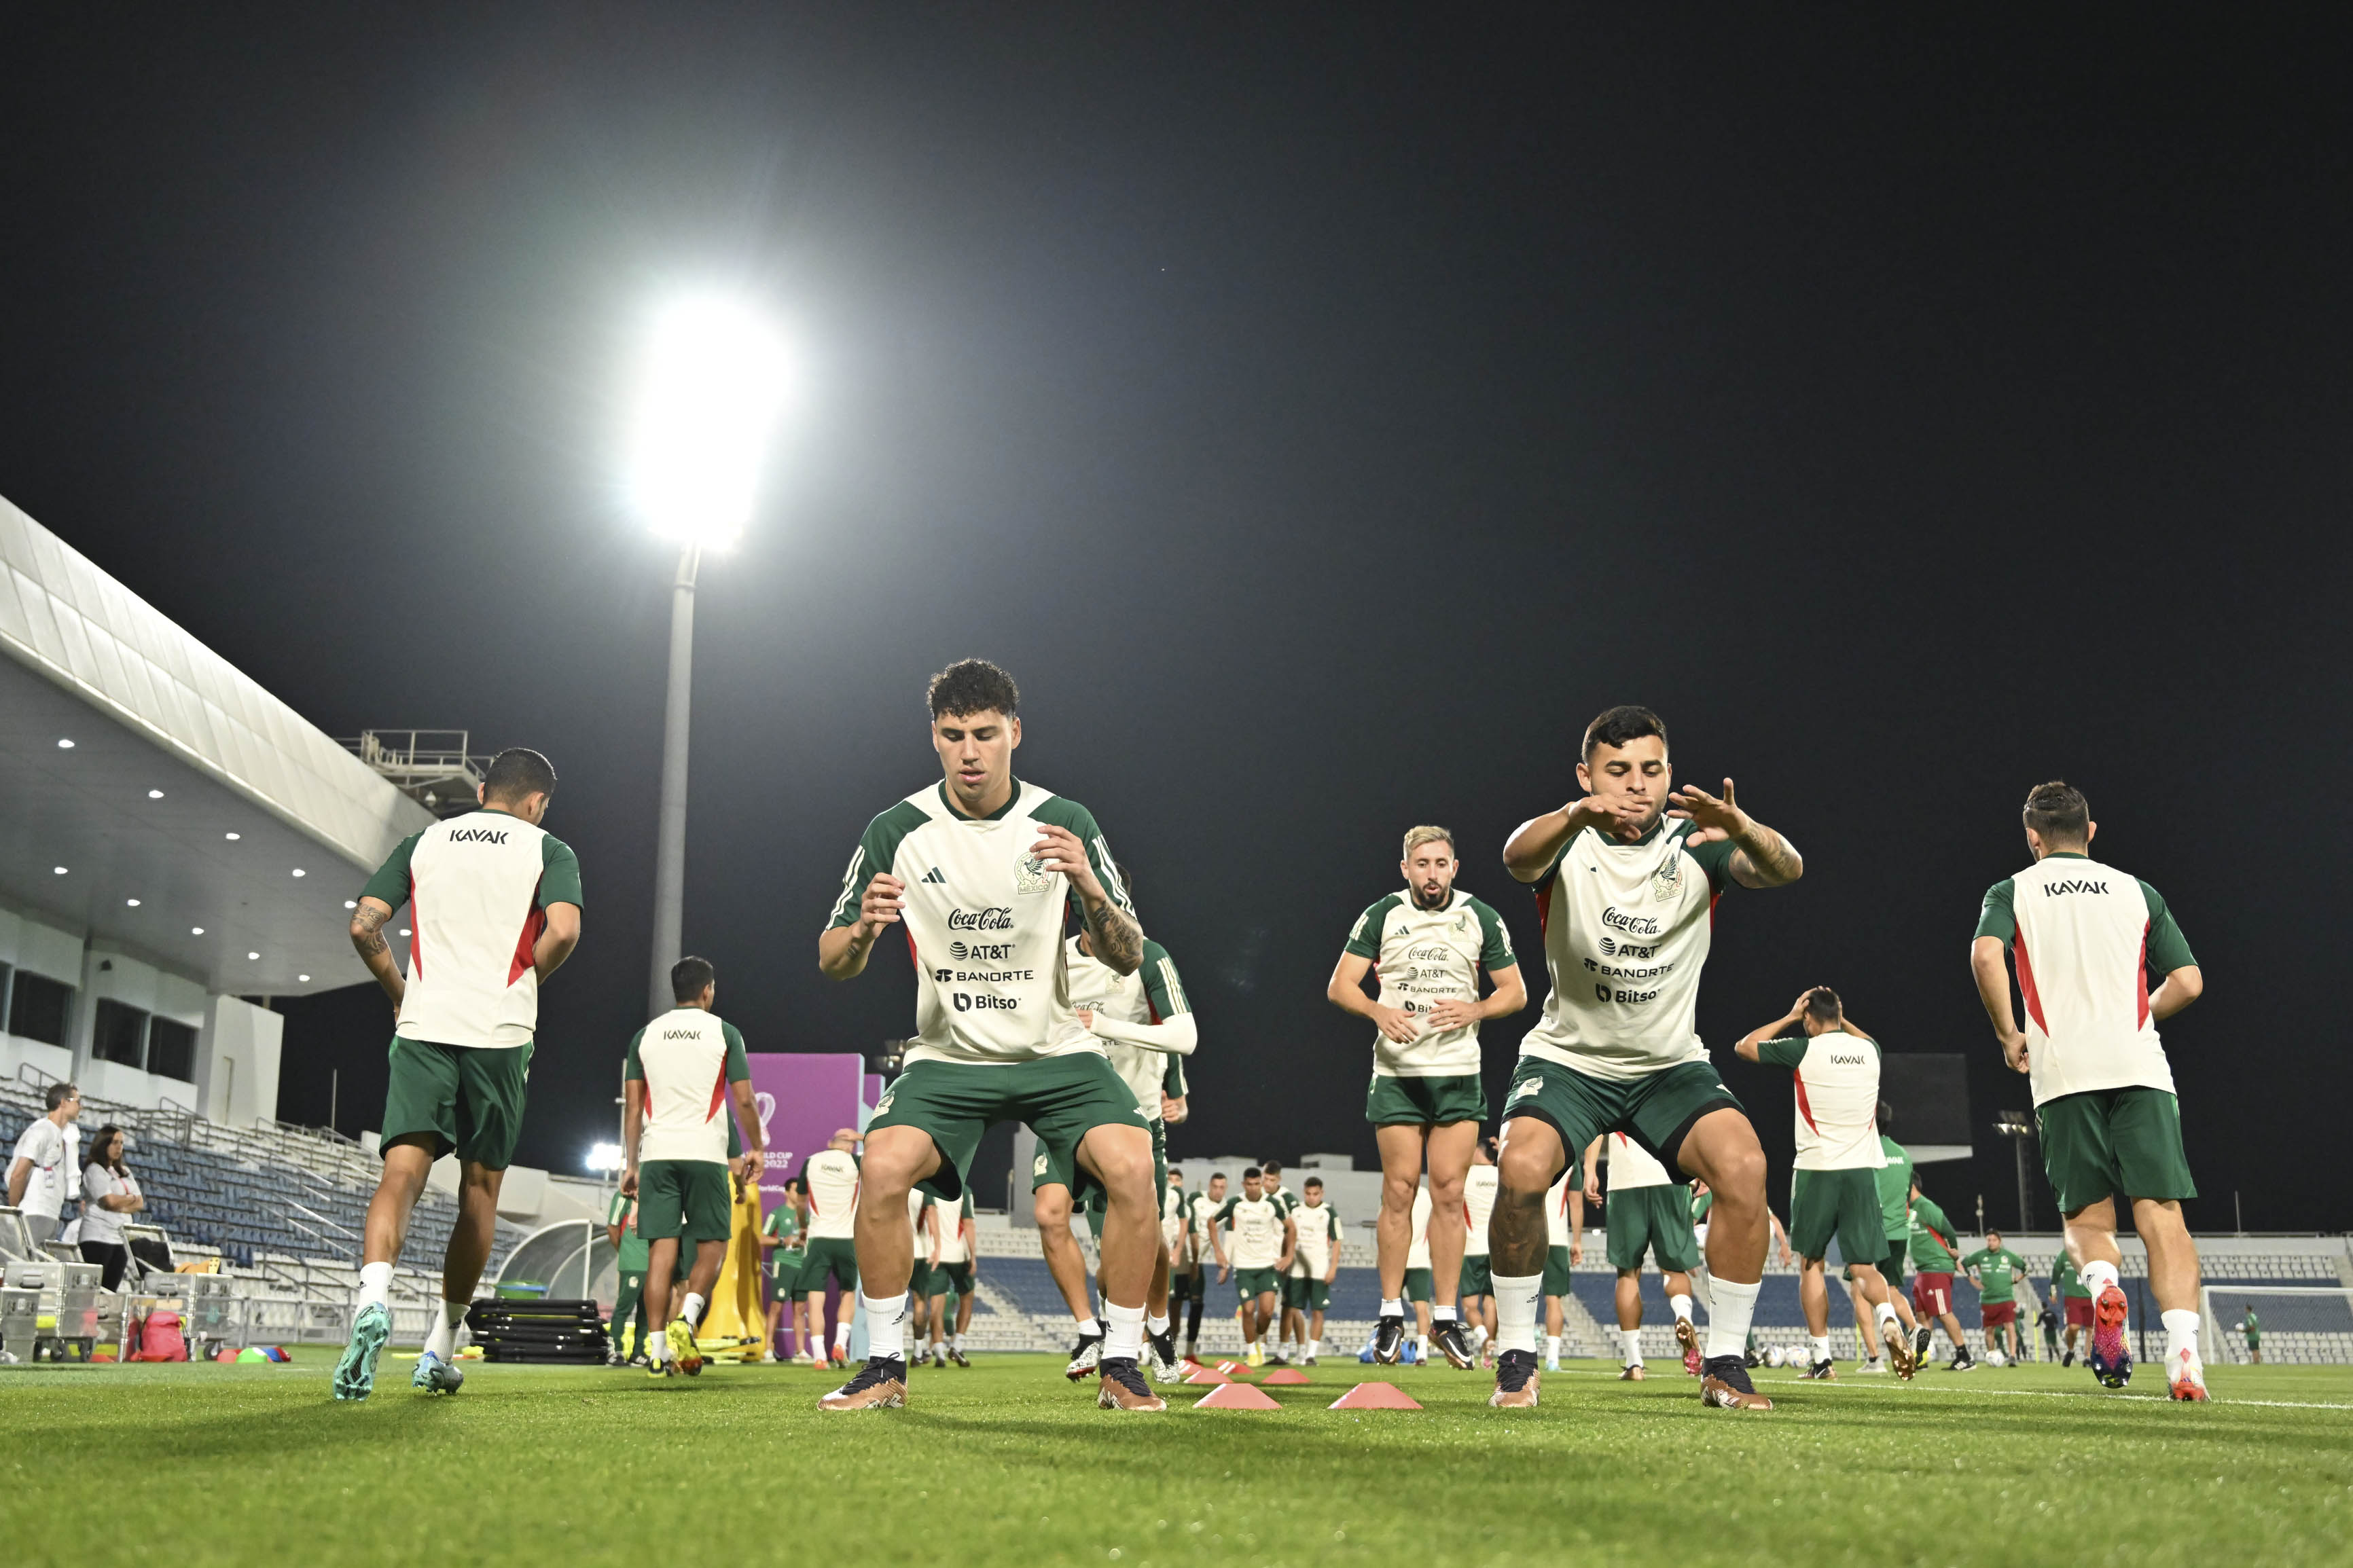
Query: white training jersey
x,y
1835,1081
984,923
1417,1255
1630,1165
2084,936
477,888
1626,933
686,1058
1173,1214
1319,1232
916,1200
1153,995
1479,1189
951,1218
1257,1238
1556,1231
831,1177
1199,1208
1423,957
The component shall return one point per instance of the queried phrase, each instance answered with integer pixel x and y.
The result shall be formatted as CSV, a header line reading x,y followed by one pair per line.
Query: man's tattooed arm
x,y
1114,936
368,940
1762,859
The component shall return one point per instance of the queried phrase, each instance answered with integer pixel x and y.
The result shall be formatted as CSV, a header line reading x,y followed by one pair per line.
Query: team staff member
x,y
784,1241
46,1173
1996,1270
1935,1259
109,1194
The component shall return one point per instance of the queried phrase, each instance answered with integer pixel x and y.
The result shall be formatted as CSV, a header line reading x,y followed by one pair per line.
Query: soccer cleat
x,y
1633,1373
1552,1364
1921,1338
2067,1360
1389,1341
1160,1356
841,1355
1516,1380
1310,1362
1449,1338
880,1384
662,1368
1725,1385
1687,1336
2110,1357
1872,1369
1821,1372
1084,1357
1121,1387
1899,1350
2185,1378
1749,1358
802,1358
355,1373
434,1375
1277,1359
683,1352
1256,1357
957,1356
1962,1361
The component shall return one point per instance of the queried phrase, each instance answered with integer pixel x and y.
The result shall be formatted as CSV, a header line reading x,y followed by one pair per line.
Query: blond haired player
x,y
1427,945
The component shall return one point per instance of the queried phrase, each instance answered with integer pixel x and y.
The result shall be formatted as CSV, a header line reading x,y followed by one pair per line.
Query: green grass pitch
x,y
1007,1463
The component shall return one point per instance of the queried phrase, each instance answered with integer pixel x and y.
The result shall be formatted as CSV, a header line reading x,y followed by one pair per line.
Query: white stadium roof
x,y
186,787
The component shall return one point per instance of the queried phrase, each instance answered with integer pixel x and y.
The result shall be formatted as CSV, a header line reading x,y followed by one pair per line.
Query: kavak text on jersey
x,y
1835,1078
686,1058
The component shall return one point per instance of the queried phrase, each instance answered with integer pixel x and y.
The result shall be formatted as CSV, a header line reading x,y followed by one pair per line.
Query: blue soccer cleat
x,y
434,1375
355,1373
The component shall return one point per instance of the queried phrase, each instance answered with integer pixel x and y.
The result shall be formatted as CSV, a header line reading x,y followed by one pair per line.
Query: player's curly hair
x,y
973,685
1622,724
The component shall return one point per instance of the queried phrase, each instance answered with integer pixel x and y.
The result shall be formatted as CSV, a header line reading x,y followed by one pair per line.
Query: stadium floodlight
x,y
606,1159
716,376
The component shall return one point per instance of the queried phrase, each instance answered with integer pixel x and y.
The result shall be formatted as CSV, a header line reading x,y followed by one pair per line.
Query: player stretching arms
x,y
1430,943
497,910
682,1066
1564,1250
1264,1241
830,1177
981,870
1307,1285
2086,937
1996,1270
1644,1210
1834,1188
1934,1258
952,1256
1627,898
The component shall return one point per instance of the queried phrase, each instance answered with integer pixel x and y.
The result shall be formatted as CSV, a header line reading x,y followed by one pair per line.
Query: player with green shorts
x,y
1477,1282
1646,1213
1193,1280
982,871
494,908
1894,1180
1626,878
2085,938
2252,1327
1429,943
1264,1242
949,1241
1564,1249
783,1237
1314,1263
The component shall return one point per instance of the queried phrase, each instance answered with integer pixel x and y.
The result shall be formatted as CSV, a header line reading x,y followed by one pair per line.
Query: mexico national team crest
x,y
1668,879
1037,1166
1030,876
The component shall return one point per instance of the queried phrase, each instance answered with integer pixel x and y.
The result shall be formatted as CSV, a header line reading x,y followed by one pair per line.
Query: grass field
x,y
1009,1464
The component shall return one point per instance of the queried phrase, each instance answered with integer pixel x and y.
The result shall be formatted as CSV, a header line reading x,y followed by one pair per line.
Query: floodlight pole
x,y
669,844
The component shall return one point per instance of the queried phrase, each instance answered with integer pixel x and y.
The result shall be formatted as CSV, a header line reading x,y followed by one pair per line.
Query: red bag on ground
x,y
159,1338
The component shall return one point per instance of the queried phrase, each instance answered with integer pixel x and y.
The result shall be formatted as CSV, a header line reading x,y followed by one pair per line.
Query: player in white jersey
x,y
1426,945
1564,1250
2086,937
1420,1278
1834,1188
952,1258
1314,1263
981,869
1199,1207
682,1067
1478,1287
496,909
1625,881
1646,1213
832,1180
1263,1242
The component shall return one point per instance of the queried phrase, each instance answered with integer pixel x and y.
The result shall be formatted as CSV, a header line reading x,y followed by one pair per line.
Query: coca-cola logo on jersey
x,y
999,919
1633,925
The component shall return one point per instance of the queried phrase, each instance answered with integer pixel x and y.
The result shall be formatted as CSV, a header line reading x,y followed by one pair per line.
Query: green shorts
x,y
1306,1292
1418,1284
1891,1261
1656,1109
1556,1273
1656,1220
1044,1170
1425,1101
1250,1284
1841,1203
2109,1140
951,1278
689,1200
1063,1098
834,1256
784,1270
457,1097
1477,1278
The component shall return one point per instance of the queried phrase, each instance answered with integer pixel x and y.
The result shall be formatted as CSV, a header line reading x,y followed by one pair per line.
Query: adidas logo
x,y
933,876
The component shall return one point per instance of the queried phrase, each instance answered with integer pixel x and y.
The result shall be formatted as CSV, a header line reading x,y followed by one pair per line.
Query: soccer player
x,y
953,1256
1315,1262
682,1067
1626,878
631,1330
919,1273
1145,1025
1895,1180
2072,1299
981,869
1834,1187
1264,1242
1421,1281
2252,1327
1429,942
1934,1260
1995,1269
1645,1211
832,1177
2086,937
1477,1282
783,1237
1564,1250
497,911
1199,1209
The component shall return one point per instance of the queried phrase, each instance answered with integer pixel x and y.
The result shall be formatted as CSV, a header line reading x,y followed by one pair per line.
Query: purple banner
x,y
803,1099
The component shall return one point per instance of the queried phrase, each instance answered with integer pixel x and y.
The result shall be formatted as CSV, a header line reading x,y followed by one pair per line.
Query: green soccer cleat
x,y
684,1353
355,1373
434,1375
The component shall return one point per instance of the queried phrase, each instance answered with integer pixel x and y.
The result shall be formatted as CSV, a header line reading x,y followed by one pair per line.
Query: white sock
x,y
2180,1333
2096,1275
656,1348
1518,1297
1629,1344
1314,1349
376,1285
1819,1346
1422,1346
441,1340
1682,1307
1124,1340
886,1326
1156,1327
1441,1315
1727,1319
692,1311
841,1333
956,1340
1552,1347
1091,1328
1392,1307
1883,1315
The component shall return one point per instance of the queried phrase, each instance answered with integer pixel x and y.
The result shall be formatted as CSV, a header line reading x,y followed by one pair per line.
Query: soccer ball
x,y
1995,1358
1775,1356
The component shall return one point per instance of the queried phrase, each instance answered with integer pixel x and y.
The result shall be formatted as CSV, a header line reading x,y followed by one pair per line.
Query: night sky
x,y
1322,417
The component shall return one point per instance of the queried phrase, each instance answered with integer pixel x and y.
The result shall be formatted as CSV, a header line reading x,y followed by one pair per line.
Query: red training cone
x,y
1283,1375
1235,1397
1376,1397
1209,1374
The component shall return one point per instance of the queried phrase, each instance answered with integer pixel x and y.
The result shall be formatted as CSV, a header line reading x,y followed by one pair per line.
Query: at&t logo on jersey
x,y
999,919
1613,948
980,950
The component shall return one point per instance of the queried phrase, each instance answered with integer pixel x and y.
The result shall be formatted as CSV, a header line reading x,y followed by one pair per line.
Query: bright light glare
x,y
715,376
605,1159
